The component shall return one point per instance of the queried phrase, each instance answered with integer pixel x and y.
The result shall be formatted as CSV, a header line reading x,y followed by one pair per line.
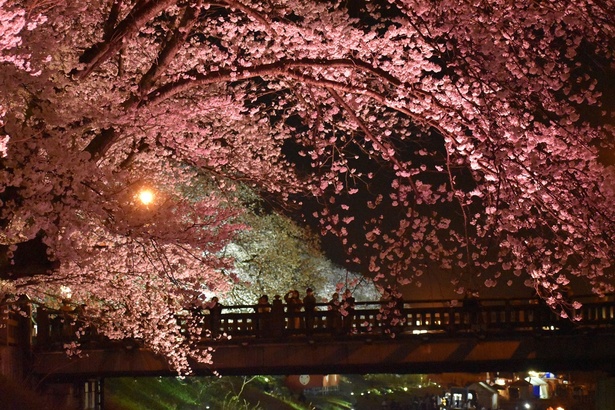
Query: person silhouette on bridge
x,y
392,314
309,306
215,311
472,308
277,316
334,319
348,306
293,308
67,319
263,308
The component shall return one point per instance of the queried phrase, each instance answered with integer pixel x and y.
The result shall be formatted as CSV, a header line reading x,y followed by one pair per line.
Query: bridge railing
x,y
15,327
366,319
9,328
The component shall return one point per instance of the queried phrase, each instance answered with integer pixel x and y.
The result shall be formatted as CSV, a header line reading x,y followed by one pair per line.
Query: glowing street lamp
x,y
146,196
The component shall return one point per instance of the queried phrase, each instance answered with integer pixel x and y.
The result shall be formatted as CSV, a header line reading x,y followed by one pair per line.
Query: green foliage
x,y
254,393
150,393
232,402
394,380
166,393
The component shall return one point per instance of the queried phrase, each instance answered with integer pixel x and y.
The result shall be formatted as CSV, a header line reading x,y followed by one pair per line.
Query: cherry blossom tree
x,y
272,257
468,136
276,254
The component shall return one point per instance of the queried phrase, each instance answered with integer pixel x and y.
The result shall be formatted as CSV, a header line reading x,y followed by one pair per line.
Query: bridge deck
x,y
405,354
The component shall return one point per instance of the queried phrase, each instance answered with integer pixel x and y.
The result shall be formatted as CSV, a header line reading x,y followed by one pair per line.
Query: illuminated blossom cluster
x,y
472,138
13,20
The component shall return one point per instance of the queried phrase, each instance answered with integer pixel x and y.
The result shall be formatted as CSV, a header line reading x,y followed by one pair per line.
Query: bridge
x,y
425,337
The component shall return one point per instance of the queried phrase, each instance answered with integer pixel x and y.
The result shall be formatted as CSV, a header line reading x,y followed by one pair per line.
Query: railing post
x,y
277,317
24,324
42,326
451,320
507,314
5,331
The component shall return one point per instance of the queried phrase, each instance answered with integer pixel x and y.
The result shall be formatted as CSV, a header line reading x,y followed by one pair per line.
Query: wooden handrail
x,y
367,319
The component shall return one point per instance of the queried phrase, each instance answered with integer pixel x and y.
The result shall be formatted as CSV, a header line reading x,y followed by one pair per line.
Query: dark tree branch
x,y
101,143
171,48
112,19
99,53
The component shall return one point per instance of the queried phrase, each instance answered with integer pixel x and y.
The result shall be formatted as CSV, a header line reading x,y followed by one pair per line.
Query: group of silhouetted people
x,y
293,312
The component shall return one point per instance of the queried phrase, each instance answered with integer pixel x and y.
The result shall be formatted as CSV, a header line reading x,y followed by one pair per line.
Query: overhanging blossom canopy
x,y
472,136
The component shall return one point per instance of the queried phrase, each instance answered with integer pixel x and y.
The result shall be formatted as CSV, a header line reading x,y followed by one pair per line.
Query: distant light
x,y
146,196
527,405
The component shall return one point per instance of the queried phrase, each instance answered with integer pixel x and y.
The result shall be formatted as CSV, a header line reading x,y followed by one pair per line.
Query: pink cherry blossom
x,y
473,138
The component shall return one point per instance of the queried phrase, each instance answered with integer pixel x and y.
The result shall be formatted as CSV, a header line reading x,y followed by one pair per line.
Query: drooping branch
x,y
284,68
385,150
279,68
